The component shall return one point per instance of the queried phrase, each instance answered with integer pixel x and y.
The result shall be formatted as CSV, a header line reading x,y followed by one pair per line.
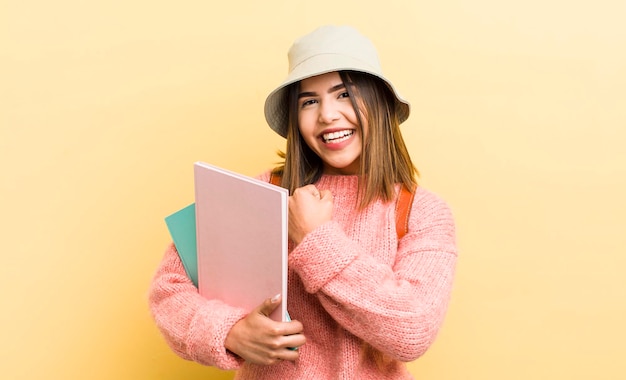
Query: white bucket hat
x,y
326,49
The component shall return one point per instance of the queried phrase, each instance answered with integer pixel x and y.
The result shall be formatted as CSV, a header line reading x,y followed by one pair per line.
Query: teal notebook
x,y
182,227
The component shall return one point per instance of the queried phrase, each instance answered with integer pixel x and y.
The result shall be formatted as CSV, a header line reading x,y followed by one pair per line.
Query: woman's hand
x,y
308,209
260,340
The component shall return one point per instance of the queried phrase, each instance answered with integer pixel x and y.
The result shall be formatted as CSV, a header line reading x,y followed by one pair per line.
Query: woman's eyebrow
x,y
330,91
337,87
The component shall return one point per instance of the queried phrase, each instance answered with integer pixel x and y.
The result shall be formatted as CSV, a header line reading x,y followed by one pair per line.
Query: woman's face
x,y
328,123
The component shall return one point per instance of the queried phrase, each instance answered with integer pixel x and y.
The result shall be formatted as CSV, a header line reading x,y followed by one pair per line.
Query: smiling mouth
x,y
336,137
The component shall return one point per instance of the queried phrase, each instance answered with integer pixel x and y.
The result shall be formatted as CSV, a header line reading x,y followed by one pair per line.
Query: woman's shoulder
x,y
431,219
427,203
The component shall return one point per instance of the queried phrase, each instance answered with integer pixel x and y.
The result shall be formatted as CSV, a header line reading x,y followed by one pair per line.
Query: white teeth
x,y
337,136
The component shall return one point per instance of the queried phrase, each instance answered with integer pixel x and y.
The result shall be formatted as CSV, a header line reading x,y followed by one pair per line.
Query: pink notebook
x,y
241,228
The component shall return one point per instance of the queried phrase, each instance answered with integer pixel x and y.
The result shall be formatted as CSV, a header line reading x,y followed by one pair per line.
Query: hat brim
x,y
276,107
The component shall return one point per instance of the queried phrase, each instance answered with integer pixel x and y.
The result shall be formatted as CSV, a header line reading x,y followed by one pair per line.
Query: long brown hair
x,y
385,159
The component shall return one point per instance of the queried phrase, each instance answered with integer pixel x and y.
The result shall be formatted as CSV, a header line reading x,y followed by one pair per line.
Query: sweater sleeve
x,y
195,328
399,308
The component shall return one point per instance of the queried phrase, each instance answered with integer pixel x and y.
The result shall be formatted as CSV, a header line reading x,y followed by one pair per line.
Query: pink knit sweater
x,y
351,284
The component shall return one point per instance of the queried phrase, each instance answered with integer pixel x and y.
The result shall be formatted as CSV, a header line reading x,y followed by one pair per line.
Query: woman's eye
x,y
308,102
344,95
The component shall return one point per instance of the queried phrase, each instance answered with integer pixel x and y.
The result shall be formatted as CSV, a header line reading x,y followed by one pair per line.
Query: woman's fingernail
x,y
275,298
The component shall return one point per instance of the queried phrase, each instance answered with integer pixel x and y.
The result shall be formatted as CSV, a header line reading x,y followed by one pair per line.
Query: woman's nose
x,y
329,112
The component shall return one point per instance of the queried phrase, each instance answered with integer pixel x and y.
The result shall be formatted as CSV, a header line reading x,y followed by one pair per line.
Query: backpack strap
x,y
403,206
403,210
275,179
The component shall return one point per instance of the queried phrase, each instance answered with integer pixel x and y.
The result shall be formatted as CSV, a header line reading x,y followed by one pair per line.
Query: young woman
x,y
364,299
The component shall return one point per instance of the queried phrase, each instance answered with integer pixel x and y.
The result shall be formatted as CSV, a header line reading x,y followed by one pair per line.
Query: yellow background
x,y
518,120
